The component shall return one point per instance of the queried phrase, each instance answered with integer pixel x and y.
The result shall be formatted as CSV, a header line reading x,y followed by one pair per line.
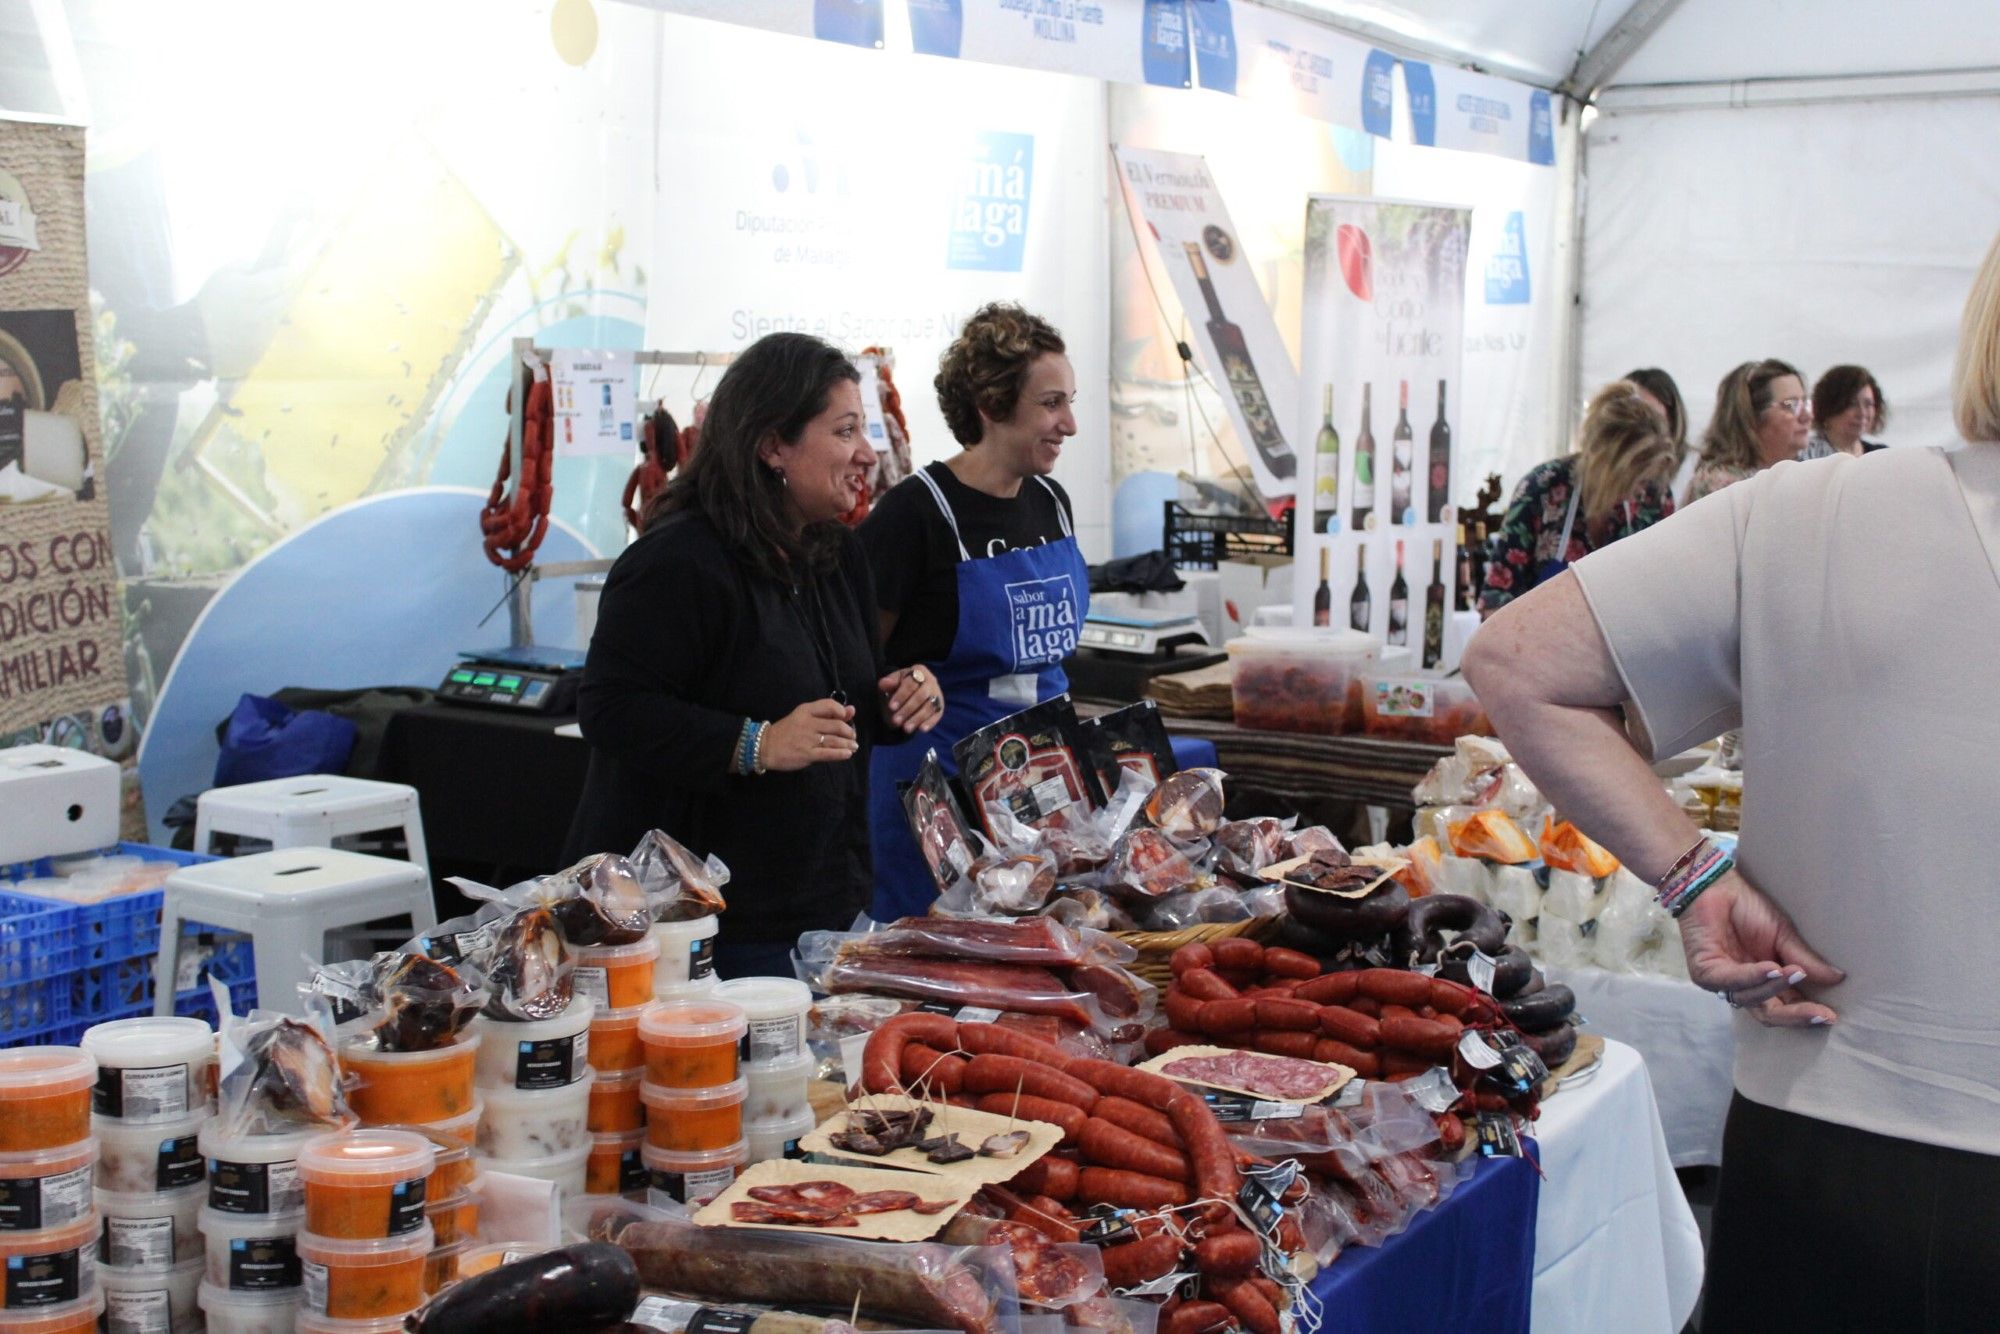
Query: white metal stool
x,y
310,811
286,901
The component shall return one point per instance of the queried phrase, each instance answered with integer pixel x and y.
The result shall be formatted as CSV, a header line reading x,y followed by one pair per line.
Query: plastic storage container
x,y
156,1230
476,1260
774,1010
1298,680
691,1178
1438,710
455,1218
535,1123
464,1129
687,953
616,1167
404,1087
537,1054
617,977
310,1322
153,1300
254,1174
44,1097
362,1185
614,1041
78,1317
779,1088
162,1155
253,1253
452,1168
614,1102
49,1268
363,1280
693,989
694,1120
570,1171
691,1044
248,1312
51,1187
441,1267
152,1069
778,1137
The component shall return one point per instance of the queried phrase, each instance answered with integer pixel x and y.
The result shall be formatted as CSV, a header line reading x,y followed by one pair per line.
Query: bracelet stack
x,y
749,755
1699,867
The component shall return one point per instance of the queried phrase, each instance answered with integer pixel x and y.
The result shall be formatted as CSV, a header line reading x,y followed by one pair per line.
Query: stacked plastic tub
x,y
48,1226
777,1065
686,966
693,1092
155,1092
255,1210
534,1084
367,1241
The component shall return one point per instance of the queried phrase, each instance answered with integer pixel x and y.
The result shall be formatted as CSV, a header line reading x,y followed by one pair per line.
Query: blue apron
x,y
1019,614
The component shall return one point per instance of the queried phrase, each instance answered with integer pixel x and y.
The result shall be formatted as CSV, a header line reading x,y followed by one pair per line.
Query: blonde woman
x,y
1762,416
1614,485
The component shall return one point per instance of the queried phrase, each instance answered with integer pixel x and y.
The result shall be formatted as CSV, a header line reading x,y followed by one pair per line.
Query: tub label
x,y
552,1063
593,982
1404,699
29,1204
774,1039
263,1264
179,1164
688,1187
631,1173
313,1279
138,1243
156,1093
44,1280
254,1188
792,1149
666,1313
406,1206
138,1312
701,958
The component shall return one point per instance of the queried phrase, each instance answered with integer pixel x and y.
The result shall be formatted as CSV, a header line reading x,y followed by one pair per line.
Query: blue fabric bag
x,y
264,739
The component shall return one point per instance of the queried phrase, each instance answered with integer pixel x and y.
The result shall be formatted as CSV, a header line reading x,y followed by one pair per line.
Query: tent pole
x,y
1565,371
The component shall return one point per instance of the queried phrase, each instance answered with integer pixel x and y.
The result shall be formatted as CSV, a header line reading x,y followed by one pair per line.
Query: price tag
x,y
1479,969
1433,1090
850,1057
977,1014
1475,1051
1496,1136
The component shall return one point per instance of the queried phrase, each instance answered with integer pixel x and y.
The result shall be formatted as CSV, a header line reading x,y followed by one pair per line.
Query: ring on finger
x,y
917,675
936,703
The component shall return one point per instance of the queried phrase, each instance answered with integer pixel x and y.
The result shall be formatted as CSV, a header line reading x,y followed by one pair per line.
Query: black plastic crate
x,y
1200,541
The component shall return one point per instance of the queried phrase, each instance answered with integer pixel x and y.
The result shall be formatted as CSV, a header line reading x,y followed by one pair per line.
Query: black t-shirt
x,y
915,561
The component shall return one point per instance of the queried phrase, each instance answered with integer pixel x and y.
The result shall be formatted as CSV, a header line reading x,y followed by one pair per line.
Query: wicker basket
x,y
1156,947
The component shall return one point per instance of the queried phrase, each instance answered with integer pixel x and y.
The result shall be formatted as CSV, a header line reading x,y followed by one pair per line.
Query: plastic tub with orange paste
x,y
617,976
692,1044
694,1120
366,1184
44,1097
455,1218
78,1317
452,1168
616,1167
410,1087
614,1041
50,1268
51,1188
312,1323
462,1129
615,1104
363,1280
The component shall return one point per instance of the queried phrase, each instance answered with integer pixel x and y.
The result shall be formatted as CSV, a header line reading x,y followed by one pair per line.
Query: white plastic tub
x,y
249,1312
778,1089
539,1054
152,1069
155,1301
536,1123
570,1171
1299,680
252,1254
775,1008
778,1137
161,1155
254,1174
157,1230
687,953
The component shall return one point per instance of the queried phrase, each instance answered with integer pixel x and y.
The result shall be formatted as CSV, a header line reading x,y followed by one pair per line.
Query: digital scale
x,y
1139,635
1119,652
530,679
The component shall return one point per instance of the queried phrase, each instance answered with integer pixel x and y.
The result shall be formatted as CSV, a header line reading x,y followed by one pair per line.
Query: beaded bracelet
x,y
757,749
1698,868
745,735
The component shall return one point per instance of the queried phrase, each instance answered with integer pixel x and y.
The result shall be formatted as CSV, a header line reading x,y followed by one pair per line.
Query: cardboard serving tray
x,y
1336,1075
1589,1050
1388,866
904,1225
971,1126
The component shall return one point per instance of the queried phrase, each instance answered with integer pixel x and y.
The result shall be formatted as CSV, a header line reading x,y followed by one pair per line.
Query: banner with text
x,y
849,22
1384,308
1479,113
62,665
1229,321
1290,62
1118,40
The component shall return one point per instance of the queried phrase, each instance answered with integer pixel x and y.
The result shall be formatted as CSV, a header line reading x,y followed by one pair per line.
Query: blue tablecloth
x,y
1193,752
1466,1266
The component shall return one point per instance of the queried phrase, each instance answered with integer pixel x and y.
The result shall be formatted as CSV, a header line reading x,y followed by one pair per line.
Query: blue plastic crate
x,y
124,927
29,1007
197,1003
102,990
38,939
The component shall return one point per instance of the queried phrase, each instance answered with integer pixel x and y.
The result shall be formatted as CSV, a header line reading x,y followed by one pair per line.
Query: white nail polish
x,y
1774,974
1797,977
1820,1021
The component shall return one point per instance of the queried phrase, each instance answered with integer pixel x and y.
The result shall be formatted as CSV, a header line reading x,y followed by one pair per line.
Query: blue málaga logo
x,y
1215,45
1507,268
989,210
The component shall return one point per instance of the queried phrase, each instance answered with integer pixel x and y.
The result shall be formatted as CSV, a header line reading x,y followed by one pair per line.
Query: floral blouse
x,y
1532,529
1712,477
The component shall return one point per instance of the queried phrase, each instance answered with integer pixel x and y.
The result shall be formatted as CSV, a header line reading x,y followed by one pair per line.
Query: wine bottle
x,y
1360,607
1434,607
1326,480
1364,467
1241,372
1438,498
1402,451
1399,604
1466,588
1323,595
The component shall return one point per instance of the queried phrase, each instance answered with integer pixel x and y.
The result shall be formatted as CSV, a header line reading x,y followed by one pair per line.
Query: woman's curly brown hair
x,y
984,367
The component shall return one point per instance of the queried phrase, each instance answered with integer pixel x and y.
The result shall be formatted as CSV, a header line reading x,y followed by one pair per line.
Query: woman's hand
x,y
821,732
1742,945
911,699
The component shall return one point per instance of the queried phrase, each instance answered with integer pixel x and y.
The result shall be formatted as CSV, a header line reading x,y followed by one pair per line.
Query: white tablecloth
x,y
1684,1034
1616,1247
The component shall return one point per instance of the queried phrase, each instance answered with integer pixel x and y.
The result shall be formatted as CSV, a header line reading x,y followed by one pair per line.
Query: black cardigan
x,y
690,641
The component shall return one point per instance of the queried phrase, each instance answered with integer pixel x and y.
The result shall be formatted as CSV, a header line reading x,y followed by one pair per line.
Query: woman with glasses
x,y
1762,416
1846,404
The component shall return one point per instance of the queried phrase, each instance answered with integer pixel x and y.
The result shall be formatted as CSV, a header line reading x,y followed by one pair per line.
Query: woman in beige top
x,y
1762,415
1845,614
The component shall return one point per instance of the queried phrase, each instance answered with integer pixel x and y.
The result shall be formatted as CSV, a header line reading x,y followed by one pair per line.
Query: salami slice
x,y
1278,1077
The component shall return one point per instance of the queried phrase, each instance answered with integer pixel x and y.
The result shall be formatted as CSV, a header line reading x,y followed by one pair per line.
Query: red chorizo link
x,y
1047,1217
1292,1237
1193,955
1051,1176
1183,1010
1394,1011
997,1040
1298,1046
1139,1119
1110,1145
1429,1038
1228,1255
1228,1016
1403,1064
1365,1063
1332,989
1205,984
1261,992
1008,1074
1289,963
927,1067
1163,1040
1272,1292
1344,1025
882,1057
1239,953
1451,1132
1197,1318
1128,1190
1030,1108
1367,1005
1392,986
962,1100
1463,1002
1135,1262
1287,1014
1118,1081
1240,978
1246,1303
1215,1174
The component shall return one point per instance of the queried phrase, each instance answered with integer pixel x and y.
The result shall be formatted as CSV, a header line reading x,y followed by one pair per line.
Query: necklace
x,y
822,639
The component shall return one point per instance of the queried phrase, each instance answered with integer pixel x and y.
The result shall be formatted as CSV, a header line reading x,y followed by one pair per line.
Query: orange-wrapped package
x,y
1492,836
1566,848
1420,876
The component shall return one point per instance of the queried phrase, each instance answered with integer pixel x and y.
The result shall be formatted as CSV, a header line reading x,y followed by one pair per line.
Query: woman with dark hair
x,y
1762,417
1662,395
978,577
1846,404
735,682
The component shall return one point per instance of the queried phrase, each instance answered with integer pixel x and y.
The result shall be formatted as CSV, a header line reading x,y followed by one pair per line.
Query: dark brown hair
x,y
983,369
774,387
1661,386
1835,392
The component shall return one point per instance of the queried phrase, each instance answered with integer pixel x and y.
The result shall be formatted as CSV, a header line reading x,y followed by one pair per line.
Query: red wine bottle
x,y
1434,608
1399,604
1323,595
1438,498
1402,451
1360,606
1241,372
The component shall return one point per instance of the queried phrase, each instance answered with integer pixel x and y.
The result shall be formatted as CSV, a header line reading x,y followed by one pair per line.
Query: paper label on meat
x,y
139,1243
312,1277
1475,1051
977,1014
665,1313
30,1204
1479,969
594,982
138,1312
153,1093
773,1040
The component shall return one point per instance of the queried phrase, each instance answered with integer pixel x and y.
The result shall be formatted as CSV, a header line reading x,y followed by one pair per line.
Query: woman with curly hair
x,y
978,578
